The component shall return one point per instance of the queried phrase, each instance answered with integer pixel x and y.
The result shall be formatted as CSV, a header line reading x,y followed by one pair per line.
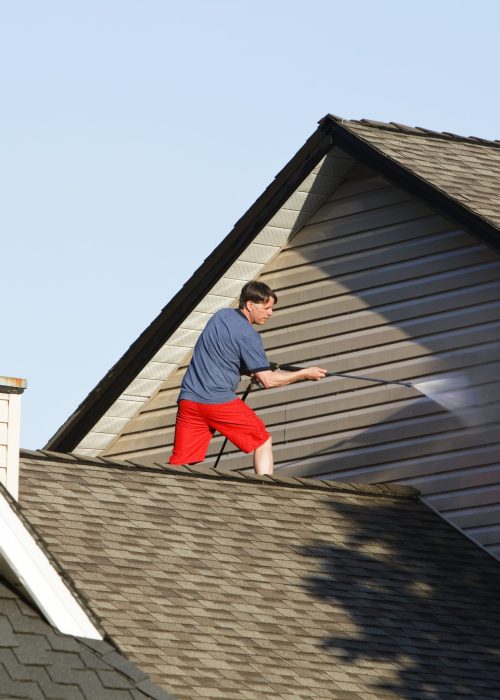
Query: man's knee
x,y
268,444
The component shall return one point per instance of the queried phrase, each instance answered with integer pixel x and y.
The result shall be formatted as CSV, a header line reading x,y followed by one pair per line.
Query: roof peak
x,y
204,472
416,131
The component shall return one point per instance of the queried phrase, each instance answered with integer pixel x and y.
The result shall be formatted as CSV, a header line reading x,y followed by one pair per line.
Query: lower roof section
x,y
236,586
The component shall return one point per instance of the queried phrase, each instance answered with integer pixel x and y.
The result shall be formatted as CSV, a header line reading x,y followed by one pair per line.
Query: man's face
x,y
261,311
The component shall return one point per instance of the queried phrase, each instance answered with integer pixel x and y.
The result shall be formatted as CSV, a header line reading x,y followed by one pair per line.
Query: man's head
x,y
257,301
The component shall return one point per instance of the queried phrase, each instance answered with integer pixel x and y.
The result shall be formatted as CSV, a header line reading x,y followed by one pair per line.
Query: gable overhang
x,y
332,133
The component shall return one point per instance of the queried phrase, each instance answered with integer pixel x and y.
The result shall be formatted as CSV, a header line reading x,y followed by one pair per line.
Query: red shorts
x,y
196,424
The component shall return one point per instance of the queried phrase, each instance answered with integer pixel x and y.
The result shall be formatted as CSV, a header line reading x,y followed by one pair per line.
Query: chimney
x,y
10,425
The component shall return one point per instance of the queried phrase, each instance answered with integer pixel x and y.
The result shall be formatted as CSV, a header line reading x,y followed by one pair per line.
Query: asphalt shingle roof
x,y
465,169
221,586
38,662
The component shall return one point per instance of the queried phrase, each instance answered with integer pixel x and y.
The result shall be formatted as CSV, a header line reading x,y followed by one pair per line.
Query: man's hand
x,y
313,373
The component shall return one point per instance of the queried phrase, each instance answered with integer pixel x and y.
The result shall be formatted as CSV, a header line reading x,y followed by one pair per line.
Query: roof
x,y
457,175
38,662
464,171
221,585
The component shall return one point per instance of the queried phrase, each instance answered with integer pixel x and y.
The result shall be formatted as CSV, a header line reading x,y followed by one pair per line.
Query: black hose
x,y
247,391
294,368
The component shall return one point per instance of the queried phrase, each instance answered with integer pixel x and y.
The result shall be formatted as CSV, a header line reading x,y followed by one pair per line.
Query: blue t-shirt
x,y
227,348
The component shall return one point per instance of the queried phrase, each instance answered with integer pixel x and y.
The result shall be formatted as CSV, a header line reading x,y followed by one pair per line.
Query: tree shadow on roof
x,y
421,604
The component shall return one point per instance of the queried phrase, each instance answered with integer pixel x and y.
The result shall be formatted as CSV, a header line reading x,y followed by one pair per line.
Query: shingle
x,y
153,691
7,636
14,689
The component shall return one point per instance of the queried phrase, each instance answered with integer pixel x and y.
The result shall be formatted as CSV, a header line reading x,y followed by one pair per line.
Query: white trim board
x,y
22,555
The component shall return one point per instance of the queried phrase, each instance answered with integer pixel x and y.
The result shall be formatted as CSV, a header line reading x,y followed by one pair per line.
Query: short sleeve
x,y
252,352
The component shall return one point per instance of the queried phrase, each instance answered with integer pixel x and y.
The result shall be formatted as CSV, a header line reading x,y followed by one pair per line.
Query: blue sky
x,y
135,133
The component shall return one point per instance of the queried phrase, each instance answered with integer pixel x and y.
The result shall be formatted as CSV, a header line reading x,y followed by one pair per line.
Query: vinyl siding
x,y
377,284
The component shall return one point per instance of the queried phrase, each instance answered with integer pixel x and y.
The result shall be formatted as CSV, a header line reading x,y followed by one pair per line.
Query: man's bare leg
x,y
263,458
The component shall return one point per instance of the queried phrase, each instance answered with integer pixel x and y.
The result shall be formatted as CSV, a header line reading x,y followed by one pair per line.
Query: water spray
x,y
455,394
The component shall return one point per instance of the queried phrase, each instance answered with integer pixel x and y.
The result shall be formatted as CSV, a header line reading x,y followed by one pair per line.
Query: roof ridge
x,y
200,471
417,131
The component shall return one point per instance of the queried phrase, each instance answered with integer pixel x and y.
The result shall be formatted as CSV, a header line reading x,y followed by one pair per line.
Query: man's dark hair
x,y
258,292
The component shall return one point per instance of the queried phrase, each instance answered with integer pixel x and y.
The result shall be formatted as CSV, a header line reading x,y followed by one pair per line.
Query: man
x,y
227,348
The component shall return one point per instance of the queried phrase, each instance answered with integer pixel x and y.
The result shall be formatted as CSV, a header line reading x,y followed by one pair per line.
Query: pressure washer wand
x,y
294,368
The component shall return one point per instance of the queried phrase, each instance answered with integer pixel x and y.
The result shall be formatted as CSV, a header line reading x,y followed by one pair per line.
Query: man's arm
x,y
280,377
